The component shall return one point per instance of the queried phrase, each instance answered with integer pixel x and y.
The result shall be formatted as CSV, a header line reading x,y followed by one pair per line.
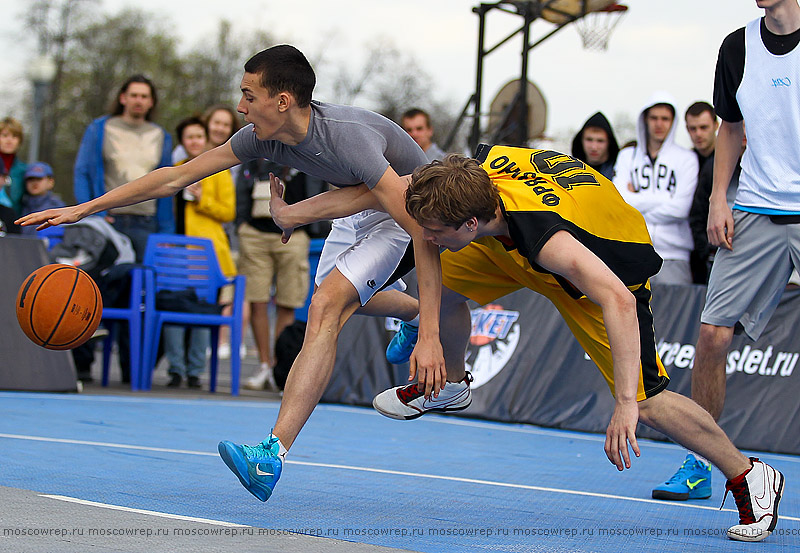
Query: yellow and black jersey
x,y
543,192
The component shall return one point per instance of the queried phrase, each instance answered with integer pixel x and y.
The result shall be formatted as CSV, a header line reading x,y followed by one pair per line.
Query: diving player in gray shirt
x,y
345,146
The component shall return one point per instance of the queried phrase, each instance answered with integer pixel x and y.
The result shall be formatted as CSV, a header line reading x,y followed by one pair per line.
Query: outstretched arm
x,y
328,205
564,255
156,184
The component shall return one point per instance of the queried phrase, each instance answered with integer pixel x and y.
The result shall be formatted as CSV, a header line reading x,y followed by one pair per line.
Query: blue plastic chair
x,y
176,262
51,235
133,315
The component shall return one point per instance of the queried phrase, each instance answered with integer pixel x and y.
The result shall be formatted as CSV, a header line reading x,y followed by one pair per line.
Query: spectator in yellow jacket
x,y
201,210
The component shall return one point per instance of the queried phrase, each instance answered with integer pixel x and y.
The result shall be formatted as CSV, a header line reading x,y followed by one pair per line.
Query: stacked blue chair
x,y
176,262
133,315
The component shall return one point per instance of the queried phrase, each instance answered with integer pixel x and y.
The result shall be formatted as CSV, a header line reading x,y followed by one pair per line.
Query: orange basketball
x,y
59,306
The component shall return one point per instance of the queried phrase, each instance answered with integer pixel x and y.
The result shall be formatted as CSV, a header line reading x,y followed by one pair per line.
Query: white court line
x,y
519,428
143,511
392,472
256,403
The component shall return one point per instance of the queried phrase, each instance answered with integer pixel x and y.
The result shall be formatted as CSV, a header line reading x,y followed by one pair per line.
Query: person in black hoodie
x,y
596,145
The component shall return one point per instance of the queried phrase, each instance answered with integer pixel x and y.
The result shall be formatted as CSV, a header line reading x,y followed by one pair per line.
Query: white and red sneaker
x,y
407,402
757,492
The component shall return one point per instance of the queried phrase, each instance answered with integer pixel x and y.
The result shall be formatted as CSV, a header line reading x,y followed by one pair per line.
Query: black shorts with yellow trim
x,y
484,271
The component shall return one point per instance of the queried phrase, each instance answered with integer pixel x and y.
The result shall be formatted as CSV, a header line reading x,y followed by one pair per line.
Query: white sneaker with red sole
x,y
407,402
757,493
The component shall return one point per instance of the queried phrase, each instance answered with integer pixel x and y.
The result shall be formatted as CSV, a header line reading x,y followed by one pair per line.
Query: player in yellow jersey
x,y
522,218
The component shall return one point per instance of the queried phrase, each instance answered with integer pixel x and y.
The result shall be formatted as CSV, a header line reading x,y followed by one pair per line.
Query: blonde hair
x,y
13,126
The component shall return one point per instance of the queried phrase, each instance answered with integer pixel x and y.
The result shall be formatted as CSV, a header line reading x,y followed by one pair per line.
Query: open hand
x,y
621,431
277,205
52,217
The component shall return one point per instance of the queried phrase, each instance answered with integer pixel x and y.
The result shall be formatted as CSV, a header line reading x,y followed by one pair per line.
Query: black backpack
x,y
287,346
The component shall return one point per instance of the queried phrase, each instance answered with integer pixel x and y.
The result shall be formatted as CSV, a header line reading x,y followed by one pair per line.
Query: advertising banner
x,y
528,368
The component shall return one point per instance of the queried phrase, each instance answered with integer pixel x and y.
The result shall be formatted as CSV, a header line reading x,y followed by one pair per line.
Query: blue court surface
x,y
437,484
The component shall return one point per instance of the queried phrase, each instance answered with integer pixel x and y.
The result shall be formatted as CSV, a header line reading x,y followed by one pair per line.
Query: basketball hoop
x,y
595,27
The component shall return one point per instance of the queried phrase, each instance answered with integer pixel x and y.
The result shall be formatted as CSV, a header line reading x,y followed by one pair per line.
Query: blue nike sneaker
x,y
258,467
692,481
399,349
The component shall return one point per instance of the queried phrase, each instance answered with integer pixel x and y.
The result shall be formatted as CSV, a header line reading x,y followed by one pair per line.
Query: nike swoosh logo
x,y
318,154
694,484
262,473
431,402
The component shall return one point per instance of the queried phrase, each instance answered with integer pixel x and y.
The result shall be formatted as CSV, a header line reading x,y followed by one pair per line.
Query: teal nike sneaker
x,y
399,349
257,467
692,481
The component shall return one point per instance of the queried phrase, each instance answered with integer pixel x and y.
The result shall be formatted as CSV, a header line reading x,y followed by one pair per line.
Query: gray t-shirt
x,y
345,146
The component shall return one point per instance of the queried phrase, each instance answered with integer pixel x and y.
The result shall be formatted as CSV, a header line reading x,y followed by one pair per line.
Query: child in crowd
x,y
38,195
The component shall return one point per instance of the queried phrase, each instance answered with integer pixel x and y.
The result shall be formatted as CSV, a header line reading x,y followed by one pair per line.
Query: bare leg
x,y
331,305
708,374
259,323
391,303
688,424
455,324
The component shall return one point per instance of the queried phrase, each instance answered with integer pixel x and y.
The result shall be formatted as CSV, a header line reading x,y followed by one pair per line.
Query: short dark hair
x,y
698,108
413,112
188,122
117,108
284,68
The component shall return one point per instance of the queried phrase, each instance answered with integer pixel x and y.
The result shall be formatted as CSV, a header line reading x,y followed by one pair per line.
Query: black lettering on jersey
x,y
536,181
511,169
554,163
538,187
550,199
498,162
567,171
673,183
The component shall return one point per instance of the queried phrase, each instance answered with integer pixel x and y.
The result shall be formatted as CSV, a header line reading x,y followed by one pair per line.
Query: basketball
x,y
59,306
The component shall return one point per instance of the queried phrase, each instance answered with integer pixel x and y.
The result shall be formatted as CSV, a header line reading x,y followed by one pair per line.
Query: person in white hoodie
x,y
659,178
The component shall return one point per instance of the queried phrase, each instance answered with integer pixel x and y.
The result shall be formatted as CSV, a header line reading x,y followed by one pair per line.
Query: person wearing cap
x,y
38,193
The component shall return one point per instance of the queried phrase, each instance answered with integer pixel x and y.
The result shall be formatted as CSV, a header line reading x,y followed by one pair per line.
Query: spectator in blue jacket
x,y
121,147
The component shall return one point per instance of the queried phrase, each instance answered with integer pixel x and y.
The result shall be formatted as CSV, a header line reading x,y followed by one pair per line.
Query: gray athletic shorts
x,y
367,249
673,271
746,284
